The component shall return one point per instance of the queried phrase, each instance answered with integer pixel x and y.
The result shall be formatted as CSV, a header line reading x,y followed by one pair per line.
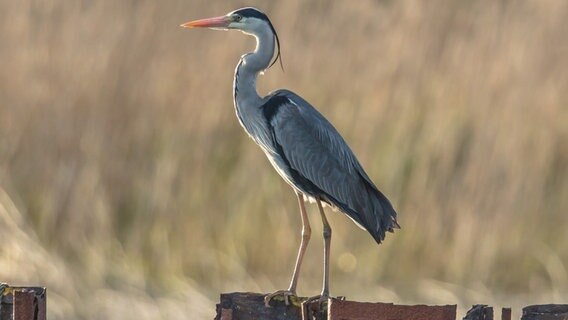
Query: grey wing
x,y
323,165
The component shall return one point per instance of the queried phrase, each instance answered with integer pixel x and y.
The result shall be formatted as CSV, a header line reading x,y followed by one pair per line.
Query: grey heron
x,y
303,147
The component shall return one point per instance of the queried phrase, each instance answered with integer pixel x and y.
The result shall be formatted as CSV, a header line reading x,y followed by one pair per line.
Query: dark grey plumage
x,y
314,158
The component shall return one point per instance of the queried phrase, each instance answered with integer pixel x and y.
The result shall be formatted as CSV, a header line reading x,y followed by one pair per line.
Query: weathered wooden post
x,y
479,312
250,306
22,303
545,312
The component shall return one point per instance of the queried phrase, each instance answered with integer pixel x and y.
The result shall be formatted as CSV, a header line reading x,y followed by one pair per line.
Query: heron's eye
x,y
237,18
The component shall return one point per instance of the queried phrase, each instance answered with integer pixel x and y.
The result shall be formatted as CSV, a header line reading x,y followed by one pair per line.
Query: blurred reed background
x,y
128,188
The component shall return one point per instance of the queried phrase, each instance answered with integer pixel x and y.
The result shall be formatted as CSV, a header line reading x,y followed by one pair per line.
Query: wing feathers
x,y
327,167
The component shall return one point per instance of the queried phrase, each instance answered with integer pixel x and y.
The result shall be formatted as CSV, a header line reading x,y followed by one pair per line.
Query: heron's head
x,y
248,20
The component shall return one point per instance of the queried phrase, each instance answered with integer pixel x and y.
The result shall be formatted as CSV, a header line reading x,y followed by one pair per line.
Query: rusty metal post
x,y
23,303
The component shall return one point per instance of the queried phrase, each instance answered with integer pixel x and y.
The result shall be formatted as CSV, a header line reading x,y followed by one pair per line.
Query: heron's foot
x,y
321,299
317,303
288,296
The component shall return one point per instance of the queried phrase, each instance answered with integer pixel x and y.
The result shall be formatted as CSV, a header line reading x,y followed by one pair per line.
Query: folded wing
x,y
318,161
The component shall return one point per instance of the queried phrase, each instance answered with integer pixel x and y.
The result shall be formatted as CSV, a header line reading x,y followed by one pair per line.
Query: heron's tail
x,y
372,212
383,217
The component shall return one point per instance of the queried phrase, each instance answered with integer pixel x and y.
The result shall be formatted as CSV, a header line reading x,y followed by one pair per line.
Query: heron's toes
x,y
322,299
287,296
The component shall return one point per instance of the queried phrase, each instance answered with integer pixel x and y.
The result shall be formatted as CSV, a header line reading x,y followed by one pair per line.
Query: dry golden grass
x,y
129,189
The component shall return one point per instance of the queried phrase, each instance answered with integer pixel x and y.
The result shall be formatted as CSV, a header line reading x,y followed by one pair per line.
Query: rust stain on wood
x,y
506,314
226,314
352,310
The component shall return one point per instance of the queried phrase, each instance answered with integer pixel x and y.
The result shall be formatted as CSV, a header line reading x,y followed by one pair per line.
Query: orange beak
x,y
216,22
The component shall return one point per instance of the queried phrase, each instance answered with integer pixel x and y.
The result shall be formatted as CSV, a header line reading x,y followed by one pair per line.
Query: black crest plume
x,y
250,12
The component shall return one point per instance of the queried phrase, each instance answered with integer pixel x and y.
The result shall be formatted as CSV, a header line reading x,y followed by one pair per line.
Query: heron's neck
x,y
250,65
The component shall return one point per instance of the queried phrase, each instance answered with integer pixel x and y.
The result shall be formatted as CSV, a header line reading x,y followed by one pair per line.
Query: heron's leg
x,y
306,233
326,251
324,296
